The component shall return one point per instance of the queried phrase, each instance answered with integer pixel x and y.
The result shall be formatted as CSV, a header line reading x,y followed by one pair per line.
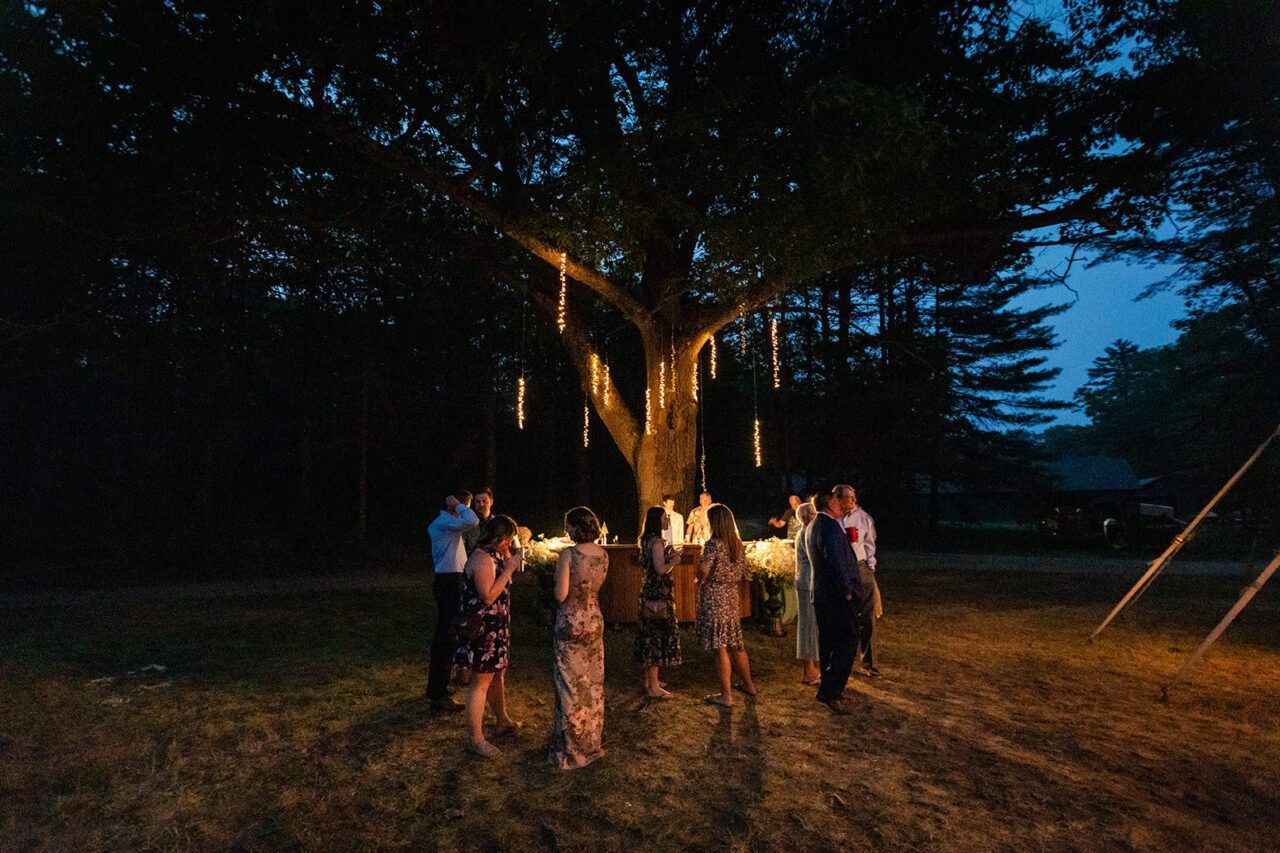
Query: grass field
x,y
293,719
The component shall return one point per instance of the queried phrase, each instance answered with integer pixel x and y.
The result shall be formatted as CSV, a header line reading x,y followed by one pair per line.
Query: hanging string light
x,y
742,338
586,425
713,356
755,404
773,343
662,384
564,294
595,374
703,464
702,434
524,313
608,385
673,366
694,384
648,413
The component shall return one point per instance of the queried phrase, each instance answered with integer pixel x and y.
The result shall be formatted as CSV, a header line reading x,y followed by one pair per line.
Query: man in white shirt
x,y
861,530
450,556
675,533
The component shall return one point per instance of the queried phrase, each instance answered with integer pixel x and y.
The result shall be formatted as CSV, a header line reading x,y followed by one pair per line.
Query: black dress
x,y
657,640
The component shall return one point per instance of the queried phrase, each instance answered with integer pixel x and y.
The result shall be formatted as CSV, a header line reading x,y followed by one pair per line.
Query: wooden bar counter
x,y
620,594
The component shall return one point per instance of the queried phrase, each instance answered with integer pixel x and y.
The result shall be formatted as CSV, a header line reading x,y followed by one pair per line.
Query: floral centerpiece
x,y
772,564
540,556
771,560
541,553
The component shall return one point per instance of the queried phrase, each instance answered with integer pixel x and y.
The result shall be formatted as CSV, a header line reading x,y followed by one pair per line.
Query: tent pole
x,y
1181,539
1245,597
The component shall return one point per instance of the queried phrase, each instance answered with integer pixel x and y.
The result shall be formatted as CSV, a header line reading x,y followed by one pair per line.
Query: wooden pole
x,y
1245,597
1181,539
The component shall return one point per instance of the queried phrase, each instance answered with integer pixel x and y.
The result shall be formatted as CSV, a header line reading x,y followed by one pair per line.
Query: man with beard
x,y
484,512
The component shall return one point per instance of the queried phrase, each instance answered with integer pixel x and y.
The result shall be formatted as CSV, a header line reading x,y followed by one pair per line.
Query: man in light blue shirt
x,y
450,556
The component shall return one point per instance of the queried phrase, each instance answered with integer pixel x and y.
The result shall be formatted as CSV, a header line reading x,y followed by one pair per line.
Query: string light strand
x,y
520,402
586,425
564,294
773,342
713,356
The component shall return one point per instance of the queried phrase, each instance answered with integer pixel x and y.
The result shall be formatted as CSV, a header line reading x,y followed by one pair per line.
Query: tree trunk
x,y
665,460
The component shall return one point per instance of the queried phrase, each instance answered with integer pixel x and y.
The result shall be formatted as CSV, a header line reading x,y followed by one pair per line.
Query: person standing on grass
x,y
484,630
657,632
449,555
719,620
578,729
806,622
484,512
861,531
837,596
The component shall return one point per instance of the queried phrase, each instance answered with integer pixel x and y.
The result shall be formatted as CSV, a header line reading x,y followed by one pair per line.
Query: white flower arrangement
x,y
771,559
542,553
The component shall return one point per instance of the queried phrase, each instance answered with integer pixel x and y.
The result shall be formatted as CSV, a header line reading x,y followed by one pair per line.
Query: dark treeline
x,y
225,343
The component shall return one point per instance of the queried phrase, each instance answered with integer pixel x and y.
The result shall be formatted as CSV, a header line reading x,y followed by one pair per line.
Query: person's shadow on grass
x,y
734,768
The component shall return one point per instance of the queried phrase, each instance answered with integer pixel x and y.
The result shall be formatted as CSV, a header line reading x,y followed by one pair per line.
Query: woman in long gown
x,y
657,634
578,729
806,620
719,620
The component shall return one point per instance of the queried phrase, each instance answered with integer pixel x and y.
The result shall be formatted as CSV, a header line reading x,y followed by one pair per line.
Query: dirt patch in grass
x,y
295,719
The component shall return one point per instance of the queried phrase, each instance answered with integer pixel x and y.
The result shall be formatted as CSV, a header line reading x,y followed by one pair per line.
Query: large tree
x,y
683,164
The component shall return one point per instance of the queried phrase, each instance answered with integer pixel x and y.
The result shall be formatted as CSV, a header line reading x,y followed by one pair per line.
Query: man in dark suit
x,y
838,595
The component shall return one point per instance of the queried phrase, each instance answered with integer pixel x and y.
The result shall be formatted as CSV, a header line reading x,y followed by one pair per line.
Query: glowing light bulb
x,y
586,425
520,403
608,385
757,443
662,384
713,356
694,384
595,374
564,294
648,413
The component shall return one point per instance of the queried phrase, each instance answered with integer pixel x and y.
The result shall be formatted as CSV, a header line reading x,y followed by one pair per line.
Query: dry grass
x,y
294,720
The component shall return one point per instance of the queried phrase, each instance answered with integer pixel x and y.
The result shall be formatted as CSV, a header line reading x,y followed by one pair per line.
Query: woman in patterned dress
x,y
657,635
486,604
719,621
579,645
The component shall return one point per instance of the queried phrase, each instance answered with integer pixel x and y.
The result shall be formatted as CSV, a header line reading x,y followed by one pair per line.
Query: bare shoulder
x,y
591,549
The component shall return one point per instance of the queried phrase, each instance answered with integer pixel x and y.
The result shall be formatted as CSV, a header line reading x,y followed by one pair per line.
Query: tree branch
x,y
406,164
617,417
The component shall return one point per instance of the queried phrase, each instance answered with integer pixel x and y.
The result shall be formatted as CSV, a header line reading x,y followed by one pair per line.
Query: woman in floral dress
x,y
719,621
484,630
657,634
578,729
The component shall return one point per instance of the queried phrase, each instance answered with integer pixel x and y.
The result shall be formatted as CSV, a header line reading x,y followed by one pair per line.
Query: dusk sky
x,y
1104,312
